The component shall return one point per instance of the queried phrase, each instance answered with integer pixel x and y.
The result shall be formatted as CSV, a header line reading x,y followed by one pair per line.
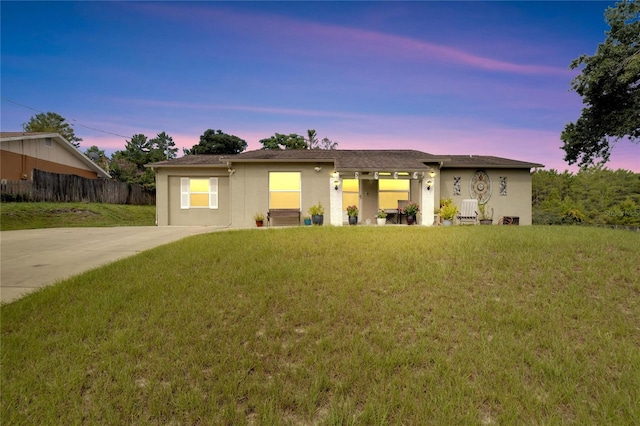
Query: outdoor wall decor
x,y
456,185
503,185
480,186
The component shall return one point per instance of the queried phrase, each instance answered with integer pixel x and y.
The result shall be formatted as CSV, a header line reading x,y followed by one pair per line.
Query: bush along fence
x,y
55,187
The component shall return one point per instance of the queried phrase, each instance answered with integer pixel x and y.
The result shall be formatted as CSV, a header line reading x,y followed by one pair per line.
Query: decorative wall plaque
x,y
480,186
503,185
456,185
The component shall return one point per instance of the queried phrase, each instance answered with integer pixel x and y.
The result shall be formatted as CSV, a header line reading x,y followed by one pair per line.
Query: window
x,y
196,193
392,190
48,142
350,193
284,190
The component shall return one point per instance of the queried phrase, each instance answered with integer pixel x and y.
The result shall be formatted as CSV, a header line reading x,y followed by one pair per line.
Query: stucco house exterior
x,y
228,190
21,153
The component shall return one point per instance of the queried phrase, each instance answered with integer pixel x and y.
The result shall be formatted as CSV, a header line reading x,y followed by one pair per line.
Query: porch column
x,y
428,203
335,202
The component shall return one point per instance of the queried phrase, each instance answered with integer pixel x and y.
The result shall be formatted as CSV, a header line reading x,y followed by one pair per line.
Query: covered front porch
x,y
386,189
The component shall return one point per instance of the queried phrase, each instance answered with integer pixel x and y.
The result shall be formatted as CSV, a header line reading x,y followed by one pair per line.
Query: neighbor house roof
x,y
350,160
18,136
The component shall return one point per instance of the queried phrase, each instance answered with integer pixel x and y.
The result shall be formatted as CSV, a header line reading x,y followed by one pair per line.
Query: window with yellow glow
x,y
199,193
284,190
350,193
392,190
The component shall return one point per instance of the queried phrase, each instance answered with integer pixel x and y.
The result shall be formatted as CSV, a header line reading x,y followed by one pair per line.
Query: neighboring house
x,y
21,153
229,190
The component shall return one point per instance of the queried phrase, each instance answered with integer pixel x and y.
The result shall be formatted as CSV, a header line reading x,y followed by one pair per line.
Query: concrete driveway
x,y
34,258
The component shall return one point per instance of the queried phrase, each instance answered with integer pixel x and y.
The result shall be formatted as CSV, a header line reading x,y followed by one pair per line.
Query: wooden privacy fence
x,y
70,188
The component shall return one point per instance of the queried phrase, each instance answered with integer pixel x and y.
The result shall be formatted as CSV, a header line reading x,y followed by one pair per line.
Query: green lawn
x,y
328,326
64,215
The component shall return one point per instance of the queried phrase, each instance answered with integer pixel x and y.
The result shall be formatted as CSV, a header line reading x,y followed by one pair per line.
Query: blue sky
x,y
484,78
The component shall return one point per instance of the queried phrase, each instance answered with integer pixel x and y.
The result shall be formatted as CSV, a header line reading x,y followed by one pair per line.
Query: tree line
x,y
128,164
593,196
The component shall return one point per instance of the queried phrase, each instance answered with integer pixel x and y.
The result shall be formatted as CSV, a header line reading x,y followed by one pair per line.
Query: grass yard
x,y
65,215
332,326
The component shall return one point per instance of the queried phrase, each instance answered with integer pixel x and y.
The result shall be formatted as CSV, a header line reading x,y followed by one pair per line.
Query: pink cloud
x,y
246,108
347,40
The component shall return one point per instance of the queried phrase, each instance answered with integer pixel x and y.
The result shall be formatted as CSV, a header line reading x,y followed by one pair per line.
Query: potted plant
x,y
444,201
307,220
259,218
317,214
352,211
485,217
381,217
411,211
448,212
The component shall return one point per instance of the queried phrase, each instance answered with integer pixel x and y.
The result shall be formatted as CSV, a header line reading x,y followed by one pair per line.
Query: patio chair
x,y
468,212
392,216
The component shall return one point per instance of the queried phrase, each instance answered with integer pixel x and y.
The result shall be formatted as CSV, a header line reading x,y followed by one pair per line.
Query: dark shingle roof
x,y
347,160
481,161
342,158
191,161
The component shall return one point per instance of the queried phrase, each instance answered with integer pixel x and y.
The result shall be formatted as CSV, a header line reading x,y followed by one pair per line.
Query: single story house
x,y
228,190
21,153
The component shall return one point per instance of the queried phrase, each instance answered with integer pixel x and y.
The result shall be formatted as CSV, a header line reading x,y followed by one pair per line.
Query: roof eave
x,y
491,166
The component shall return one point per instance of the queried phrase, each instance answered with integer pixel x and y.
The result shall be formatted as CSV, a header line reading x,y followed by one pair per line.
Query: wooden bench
x,y
282,213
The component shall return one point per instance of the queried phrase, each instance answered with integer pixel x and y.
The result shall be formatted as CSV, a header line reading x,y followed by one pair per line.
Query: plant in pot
x,y
381,217
317,214
307,220
485,217
259,218
411,211
352,211
444,201
448,212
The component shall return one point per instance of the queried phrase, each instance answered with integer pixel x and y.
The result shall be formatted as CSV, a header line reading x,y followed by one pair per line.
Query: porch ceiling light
x,y
317,168
432,174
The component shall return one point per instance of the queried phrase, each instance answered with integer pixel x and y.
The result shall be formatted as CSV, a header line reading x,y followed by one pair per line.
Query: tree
x,y
98,156
313,142
312,139
610,89
279,141
138,150
52,122
128,165
595,195
215,142
163,148
328,144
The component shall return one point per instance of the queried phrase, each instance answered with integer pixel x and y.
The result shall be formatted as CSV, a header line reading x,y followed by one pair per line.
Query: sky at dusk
x,y
483,78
